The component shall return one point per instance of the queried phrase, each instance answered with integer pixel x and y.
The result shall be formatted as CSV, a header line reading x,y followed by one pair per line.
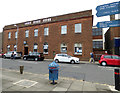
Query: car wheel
x,y
25,58
36,59
72,61
56,60
103,63
4,57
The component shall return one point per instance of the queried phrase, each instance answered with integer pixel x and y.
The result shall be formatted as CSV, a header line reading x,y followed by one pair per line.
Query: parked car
x,y
66,58
8,54
109,60
34,56
1,54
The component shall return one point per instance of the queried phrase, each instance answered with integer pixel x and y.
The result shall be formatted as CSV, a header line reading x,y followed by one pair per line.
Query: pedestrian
x,y
12,55
92,58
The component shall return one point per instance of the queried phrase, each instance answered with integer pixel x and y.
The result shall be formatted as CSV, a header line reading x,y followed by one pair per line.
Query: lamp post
x,y
17,36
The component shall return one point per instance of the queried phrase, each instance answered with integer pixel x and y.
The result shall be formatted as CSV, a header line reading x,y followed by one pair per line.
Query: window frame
x,y
78,47
36,32
46,31
64,29
78,27
26,33
9,35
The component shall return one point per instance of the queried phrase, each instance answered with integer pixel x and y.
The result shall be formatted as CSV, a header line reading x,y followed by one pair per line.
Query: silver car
x,y
8,54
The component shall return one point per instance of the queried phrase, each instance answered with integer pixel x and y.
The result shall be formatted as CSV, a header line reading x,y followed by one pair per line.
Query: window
x,y
107,56
64,29
78,48
15,47
97,44
45,48
78,28
9,35
97,31
115,57
46,31
27,33
16,34
36,32
8,48
63,48
35,47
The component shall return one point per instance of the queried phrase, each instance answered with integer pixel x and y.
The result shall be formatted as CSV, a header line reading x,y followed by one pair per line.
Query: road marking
x,y
26,83
76,66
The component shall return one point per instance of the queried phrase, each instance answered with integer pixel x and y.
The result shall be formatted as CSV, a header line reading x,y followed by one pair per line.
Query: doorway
x,y
25,50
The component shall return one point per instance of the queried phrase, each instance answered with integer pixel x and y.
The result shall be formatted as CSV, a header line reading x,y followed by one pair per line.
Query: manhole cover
x,y
26,83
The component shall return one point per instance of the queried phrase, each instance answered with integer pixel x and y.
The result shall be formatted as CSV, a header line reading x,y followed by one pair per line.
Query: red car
x,y
109,60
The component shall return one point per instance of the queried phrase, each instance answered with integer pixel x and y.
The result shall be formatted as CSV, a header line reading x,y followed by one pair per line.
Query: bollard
x,y
117,79
21,69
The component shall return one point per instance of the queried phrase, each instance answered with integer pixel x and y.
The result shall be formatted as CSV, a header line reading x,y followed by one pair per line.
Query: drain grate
x,y
26,83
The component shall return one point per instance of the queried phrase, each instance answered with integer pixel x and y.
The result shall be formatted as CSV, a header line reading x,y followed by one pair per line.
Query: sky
x,y
17,11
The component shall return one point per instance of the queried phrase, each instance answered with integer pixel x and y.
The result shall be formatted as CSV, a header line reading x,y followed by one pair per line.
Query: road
x,y
83,71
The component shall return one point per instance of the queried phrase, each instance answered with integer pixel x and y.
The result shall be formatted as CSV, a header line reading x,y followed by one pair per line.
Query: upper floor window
x,y
36,32
46,31
97,44
9,35
27,33
97,31
63,48
78,48
35,47
16,34
64,29
78,28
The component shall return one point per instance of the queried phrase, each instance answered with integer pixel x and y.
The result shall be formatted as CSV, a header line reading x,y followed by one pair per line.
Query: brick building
x,y
112,40
1,42
97,42
69,33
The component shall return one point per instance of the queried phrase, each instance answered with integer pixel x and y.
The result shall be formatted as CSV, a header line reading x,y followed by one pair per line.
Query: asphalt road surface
x,y
83,71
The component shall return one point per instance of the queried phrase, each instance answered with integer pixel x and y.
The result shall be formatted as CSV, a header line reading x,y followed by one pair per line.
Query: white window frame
x,y
46,31
45,46
27,33
15,47
16,34
63,46
78,48
8,47
35,47
35,32
78,28
9,35
64,29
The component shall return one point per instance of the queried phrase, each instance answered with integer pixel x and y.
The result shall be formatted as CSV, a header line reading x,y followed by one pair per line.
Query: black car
x,y
34,56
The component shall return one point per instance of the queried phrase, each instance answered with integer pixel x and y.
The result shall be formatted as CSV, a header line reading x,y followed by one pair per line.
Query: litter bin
x,y
53,71
117,79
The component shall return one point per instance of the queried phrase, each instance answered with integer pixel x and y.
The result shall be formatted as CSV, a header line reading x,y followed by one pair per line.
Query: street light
x,y
17,35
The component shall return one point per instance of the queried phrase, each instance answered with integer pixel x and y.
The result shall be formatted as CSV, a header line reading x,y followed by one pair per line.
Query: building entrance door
x,y
25,50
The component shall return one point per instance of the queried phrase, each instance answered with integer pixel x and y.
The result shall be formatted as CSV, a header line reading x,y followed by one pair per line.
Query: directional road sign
x,y
108,9
105,24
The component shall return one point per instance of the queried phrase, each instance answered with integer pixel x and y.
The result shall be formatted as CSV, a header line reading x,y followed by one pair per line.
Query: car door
x,y
116,60
8,54
108,59
66,58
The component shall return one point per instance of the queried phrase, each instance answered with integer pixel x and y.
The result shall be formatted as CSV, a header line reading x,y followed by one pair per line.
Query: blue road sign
x,y
105,24
108,9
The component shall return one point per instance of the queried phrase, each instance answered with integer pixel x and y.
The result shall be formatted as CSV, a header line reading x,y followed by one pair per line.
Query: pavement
x,y
13,81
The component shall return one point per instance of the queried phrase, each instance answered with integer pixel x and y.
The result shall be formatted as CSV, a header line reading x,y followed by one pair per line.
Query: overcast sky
x,y
17,11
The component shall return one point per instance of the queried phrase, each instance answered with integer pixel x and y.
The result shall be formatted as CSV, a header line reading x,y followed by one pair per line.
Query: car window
x,y
30,54
115,57
107,56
